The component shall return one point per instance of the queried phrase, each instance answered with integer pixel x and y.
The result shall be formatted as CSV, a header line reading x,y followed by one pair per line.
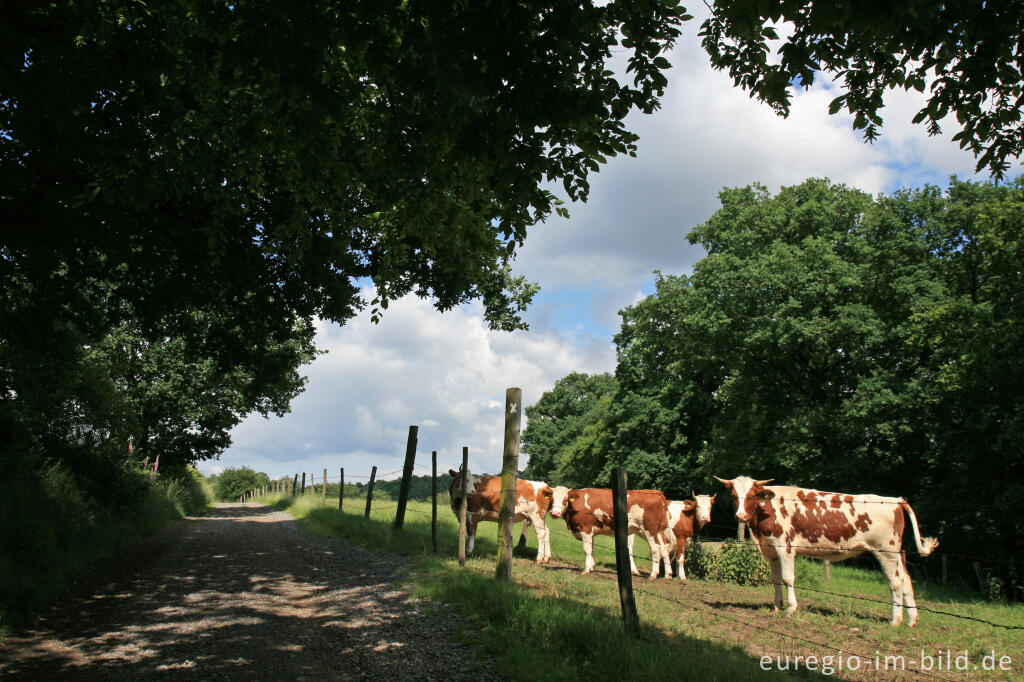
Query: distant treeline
x,y
232,483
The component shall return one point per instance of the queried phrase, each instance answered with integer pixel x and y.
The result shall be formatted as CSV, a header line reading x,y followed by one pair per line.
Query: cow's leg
x,y
521,547
588,550
543,534
776,568
632,564
470,534
681,560
787,565
659,551
895,573
666,555
908,594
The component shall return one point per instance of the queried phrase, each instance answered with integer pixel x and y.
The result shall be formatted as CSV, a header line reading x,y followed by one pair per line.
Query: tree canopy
x,y
837,341
557,421
186,188
967,55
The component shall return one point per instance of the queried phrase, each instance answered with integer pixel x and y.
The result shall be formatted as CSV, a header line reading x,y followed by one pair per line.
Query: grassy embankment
x,y
554,623
52,529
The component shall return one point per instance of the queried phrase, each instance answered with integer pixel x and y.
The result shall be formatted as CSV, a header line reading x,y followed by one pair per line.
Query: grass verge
x,y
51,529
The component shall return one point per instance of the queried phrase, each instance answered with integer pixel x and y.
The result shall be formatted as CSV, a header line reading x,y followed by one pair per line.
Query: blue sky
x,y
448,373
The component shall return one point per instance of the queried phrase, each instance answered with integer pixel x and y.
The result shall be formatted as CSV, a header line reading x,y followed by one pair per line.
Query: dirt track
x,y
240,594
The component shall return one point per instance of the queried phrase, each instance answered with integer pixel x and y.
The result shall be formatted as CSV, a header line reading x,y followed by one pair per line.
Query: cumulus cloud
x,y
446,374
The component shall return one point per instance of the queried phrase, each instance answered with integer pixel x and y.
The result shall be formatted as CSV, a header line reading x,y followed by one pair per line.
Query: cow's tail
x,y
925,546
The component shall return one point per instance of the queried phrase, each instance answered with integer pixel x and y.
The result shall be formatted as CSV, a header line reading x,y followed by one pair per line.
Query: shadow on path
x,y
241,593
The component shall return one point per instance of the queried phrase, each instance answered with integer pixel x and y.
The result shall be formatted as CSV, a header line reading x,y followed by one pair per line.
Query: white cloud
x,y
447,374
711,135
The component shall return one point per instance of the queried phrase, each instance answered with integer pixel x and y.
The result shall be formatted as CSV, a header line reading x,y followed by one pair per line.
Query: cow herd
x,y
784,521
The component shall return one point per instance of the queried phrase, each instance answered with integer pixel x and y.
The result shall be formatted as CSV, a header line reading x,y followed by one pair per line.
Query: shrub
x,y
736,562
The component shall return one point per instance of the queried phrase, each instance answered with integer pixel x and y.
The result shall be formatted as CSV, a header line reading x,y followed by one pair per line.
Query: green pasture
x,y
556,620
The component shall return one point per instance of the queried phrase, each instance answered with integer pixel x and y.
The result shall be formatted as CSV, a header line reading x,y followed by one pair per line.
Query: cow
x,y
786,521
590,511
533,499
685,518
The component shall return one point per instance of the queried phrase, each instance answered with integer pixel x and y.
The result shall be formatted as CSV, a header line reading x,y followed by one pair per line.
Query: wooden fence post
x,y
981,579
341,488
295,483
828,570
369,491
403,490
323,493
630,618
509,476
303,491
433,499
462,505
945,570
741,531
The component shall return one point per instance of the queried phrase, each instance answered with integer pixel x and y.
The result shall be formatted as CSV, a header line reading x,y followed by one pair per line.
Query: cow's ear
x,y
727,483
453,473
765,494
689,505
713,498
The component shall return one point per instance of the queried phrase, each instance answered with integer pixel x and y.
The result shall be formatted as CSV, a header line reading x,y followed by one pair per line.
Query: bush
x,y
56,525
735,562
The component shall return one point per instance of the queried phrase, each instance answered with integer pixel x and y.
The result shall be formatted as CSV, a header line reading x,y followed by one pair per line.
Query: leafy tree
x,y
233,482
838,341
968,56
184,191
558,418
186,394
192,150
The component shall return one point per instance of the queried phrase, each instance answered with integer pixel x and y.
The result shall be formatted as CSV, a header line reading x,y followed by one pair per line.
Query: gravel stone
x,y
242,594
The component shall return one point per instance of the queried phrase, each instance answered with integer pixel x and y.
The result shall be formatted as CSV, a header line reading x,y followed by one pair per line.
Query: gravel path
x,y
241,594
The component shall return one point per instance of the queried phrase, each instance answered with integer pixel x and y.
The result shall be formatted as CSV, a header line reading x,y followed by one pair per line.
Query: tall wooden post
x,y
323,493
295,483
619,492
741,531
403,490
369,491
433,499
303,490
341,487
828,570
509,476
463,483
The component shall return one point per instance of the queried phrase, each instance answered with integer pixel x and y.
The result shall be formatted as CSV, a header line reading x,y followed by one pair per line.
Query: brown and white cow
x,y
590,511
533,499
685,518
787,521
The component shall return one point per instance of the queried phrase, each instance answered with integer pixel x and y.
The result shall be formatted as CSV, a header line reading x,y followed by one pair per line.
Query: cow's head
x,y
703,506
747,495
455,489
559,501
